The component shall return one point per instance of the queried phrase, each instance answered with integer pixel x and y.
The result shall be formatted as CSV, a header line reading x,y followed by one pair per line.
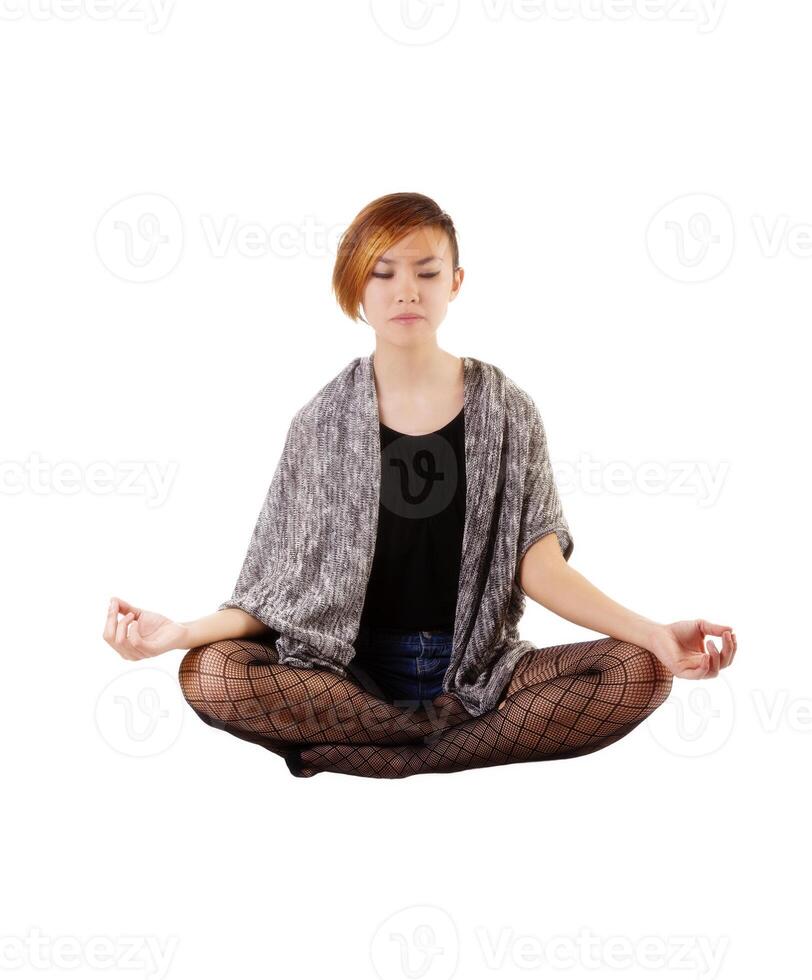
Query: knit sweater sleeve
x,y
276,532
541,505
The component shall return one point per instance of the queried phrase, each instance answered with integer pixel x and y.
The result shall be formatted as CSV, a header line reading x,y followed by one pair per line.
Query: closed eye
x,y
389,275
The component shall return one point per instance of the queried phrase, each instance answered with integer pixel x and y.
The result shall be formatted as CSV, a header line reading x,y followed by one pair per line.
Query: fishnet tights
x,y
240,687
562,701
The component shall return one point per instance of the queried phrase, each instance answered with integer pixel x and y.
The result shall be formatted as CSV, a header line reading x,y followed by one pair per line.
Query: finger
x,y
137,642
711,628
696,667
129,653
124,651
120,628
724,653
109,632
122,641
713,658
133,637
138,653
727,649
126,607
708,664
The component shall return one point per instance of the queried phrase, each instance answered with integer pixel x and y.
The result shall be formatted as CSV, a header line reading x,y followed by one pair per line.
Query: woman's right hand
x,y
139,633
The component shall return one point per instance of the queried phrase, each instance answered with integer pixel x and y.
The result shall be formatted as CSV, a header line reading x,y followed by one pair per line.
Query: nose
x,y
408,291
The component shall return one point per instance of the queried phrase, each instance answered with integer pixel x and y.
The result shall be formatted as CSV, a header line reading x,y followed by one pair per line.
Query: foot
x,y
293,759
449,710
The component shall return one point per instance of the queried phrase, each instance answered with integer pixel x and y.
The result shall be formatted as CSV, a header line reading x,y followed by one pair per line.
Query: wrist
x,y
649,633
186,639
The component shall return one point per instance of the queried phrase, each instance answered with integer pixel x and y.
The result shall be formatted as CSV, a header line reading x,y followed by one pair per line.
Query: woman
x,y
372,630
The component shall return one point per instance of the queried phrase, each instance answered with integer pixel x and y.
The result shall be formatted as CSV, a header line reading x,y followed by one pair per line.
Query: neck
x,y
408,369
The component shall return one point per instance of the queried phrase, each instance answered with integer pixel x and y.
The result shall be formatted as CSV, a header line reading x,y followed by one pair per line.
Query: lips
x,y
410,318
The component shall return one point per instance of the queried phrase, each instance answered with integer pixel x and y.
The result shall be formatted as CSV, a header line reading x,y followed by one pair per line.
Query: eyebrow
x,y
428,258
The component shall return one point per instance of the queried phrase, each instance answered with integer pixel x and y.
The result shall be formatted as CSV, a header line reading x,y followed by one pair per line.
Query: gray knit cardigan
x,y
310,556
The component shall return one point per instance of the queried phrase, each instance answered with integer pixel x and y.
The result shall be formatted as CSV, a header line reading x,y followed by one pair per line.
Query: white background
x,y
630,184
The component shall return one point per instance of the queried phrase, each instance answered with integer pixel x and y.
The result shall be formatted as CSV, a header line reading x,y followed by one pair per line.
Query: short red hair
x,y
373,231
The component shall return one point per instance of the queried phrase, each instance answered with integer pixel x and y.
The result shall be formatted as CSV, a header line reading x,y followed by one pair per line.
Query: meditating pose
x,y
373,627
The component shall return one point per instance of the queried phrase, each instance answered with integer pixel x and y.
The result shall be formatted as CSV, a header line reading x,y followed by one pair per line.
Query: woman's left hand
x,y
681,648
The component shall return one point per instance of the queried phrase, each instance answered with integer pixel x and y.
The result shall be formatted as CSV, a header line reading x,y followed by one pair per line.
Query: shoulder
x,y
517,401
335,393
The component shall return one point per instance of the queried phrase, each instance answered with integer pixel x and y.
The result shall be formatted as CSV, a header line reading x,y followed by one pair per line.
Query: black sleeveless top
x,y
415,570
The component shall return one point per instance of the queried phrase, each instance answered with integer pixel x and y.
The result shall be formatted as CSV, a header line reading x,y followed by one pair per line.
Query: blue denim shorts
x,y
402,666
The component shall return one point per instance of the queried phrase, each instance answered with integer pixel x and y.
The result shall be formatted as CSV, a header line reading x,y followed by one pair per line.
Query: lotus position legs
x,y
562,701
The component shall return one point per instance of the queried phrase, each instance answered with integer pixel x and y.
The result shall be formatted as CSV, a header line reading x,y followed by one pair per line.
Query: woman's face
x,y
414,277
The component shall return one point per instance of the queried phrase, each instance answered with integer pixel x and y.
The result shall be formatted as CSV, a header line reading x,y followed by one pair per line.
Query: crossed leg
x,y
240,687
562,701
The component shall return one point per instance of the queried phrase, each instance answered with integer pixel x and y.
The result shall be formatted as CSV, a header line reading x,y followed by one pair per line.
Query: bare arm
x,y
221,625
546,577
552,582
